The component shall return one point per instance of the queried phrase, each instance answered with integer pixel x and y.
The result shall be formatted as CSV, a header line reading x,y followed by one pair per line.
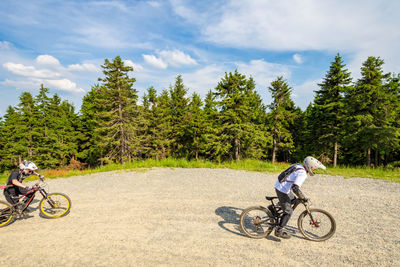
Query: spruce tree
x,y
118,112
281,117
178,112
329,110
236,104
370,107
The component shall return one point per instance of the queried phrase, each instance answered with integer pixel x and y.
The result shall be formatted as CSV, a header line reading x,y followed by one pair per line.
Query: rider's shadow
x,y
230,216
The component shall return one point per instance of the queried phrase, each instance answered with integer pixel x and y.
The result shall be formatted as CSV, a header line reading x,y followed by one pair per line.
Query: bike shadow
x,y
231,216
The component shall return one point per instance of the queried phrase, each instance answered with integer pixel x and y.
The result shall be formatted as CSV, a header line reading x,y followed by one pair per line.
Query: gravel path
x,y
190,217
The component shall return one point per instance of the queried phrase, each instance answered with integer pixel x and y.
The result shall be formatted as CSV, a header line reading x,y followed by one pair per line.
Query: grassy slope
x,y
392,175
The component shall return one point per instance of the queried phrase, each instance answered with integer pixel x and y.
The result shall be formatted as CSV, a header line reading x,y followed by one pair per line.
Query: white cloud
x,y
34,83
47,60
263,72
303,94
176,58
83,67
357,28
298,58
136,67
29,71
155,61
154,3
63,85
5,45
204,79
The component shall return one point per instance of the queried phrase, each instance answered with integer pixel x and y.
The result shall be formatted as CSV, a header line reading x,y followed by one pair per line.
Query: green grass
x,y
386,174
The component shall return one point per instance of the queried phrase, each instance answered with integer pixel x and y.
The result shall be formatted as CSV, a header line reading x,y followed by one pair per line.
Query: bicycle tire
x,y
253,227
311,233
6,214
56,205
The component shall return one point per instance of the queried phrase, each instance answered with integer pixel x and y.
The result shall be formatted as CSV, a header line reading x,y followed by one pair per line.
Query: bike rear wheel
x,y
257,222
318,225
55,205
6,214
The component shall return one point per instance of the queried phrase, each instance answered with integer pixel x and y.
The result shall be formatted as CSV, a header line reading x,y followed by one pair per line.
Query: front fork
x,y
314,222
44,194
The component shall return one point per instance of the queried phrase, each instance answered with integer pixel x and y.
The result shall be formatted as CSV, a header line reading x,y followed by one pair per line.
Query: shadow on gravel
x,y
230,215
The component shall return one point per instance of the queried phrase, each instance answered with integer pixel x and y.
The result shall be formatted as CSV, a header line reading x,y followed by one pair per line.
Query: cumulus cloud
x,y
42,71
29,71
83,67
136,67
176,58
47,60
298,58
63,85
155,61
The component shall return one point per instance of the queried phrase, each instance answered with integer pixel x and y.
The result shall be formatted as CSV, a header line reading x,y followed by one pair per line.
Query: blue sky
x,y
63,43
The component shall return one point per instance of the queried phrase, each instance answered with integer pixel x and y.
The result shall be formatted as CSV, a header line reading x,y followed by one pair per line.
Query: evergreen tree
x,y
118,114
211,144
11,149
282,117
371,106
195,127
178,112
329,110
88,143
236,102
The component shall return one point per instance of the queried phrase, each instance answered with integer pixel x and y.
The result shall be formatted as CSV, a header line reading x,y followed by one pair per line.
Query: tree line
x,y
349,122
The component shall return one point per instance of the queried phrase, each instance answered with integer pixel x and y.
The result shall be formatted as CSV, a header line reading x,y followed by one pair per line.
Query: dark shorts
x,y
12,193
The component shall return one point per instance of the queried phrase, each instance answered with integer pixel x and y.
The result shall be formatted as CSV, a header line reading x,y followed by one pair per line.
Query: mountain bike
x,y
313,224
53,205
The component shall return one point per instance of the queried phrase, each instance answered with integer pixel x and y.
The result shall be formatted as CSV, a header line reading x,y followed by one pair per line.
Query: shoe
x,y
279,232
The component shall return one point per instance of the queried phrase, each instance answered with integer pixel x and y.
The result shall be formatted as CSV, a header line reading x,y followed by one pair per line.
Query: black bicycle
x,y
313,224
53,205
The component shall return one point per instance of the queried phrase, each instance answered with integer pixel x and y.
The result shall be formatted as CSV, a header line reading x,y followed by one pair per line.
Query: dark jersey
x,y
17,174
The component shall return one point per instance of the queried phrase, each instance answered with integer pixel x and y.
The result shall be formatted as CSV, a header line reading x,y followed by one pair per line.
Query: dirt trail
x,y
189,217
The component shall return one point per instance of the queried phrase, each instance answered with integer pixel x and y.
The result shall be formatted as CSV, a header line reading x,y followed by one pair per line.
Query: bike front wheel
x,y
6,214
316,225
257,222
55,205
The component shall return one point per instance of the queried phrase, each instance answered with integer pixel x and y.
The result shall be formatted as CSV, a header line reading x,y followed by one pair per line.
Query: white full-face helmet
x,y
312,164
28,165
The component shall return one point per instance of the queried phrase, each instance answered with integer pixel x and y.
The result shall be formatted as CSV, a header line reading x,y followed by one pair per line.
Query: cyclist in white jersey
x,y
291,180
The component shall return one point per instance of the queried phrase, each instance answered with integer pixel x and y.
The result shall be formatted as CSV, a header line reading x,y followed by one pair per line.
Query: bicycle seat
x,y
270,198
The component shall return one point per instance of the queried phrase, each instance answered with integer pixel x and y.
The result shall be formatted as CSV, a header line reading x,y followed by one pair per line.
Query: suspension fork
x,y
312,219
44,194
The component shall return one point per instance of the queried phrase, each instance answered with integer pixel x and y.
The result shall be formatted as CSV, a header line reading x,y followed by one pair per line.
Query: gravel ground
x,y
190,217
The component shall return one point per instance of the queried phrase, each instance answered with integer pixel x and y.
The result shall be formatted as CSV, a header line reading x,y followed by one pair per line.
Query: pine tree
x,y
282,117
118,112
329,110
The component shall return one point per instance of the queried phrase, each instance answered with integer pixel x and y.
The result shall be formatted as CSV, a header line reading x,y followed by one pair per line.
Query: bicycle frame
x,y
277,211
28,200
